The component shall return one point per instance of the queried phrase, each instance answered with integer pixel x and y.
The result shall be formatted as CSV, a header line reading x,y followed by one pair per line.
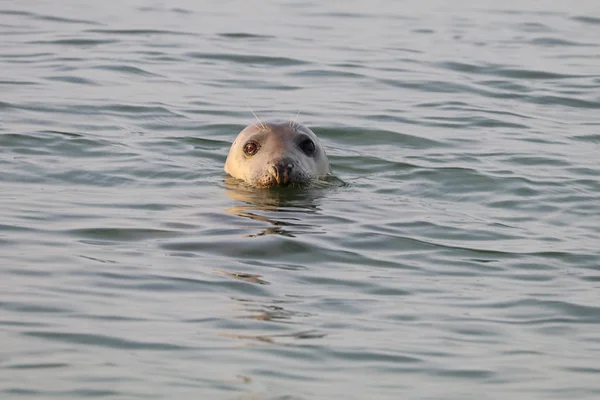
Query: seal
x,y
278,153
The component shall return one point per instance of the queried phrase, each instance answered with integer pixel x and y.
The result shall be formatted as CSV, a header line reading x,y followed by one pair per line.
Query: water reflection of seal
x,y
275,212
268,154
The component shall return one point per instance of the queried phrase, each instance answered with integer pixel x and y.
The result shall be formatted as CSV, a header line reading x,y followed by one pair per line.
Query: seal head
x,y
269,154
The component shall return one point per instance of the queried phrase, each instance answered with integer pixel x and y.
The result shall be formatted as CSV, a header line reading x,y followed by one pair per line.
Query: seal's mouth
x,y
271,182
283,182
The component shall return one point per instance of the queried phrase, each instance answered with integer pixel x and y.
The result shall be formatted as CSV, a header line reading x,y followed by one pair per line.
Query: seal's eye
x,y
251,148
308,147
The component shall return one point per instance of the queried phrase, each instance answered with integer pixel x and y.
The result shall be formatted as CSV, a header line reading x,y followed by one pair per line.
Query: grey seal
x,y
278,153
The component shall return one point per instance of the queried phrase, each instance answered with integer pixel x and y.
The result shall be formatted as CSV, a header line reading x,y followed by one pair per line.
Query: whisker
x,y
262,125
295,124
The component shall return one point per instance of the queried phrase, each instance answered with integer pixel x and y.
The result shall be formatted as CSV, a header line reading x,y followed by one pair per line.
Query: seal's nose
x,y
281,171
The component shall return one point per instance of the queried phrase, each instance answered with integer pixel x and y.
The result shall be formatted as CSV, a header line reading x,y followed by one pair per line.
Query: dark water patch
x,y
224,83
175,10
88,339
15,140
121,234
139,32
71,135
37,366
376,357
100,260
127,69
533,27
63,20
545,13
503,71
328,73
22,324
179,10
507,85
466,373
16,82
586,370
72,79
15,228
139,205
47,17
246,59
16,12
28,58
426,31
155,110
385,290
104,317
248,251
164,284
571,102
74,42
89,393
537,160
555,42
343,15
24,392
163,58
587,20
30,308
244,35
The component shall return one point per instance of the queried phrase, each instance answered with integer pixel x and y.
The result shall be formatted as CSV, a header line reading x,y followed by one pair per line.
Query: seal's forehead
x,y
279,128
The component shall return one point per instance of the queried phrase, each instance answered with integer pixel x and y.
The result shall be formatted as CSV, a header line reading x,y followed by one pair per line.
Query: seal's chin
x,y
281,181
272,182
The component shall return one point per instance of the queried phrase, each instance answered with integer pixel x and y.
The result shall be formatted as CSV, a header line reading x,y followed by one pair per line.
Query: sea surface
x,y
460,259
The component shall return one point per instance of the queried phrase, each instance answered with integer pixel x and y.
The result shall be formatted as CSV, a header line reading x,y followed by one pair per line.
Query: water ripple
x,y
103,341
457,241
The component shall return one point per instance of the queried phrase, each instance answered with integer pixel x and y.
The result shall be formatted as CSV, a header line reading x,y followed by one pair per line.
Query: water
x,y
461,260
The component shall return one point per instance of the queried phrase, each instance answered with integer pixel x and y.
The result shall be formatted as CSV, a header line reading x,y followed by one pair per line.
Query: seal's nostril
x,y
280,171
275,173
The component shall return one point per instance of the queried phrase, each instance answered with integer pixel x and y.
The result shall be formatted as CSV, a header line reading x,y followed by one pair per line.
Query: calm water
x,y
461,261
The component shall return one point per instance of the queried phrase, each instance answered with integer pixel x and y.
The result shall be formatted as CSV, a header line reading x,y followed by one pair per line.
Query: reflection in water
x,y
284,206
268,312
284,211
246,277
277,339
272,313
